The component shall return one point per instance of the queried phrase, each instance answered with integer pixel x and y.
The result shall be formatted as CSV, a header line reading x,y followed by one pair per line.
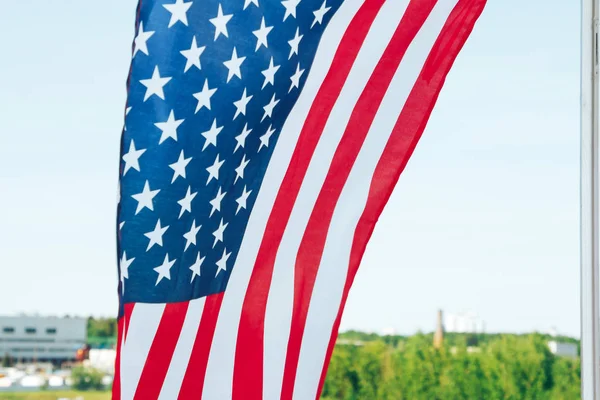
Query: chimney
x,y
438,336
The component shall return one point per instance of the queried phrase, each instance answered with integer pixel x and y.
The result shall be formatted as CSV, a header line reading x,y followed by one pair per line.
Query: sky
x,y
485,217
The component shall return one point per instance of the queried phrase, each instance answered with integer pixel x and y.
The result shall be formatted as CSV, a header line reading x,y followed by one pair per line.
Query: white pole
x,y
590,278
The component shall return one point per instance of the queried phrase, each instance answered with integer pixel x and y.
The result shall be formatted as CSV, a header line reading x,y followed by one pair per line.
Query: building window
x,y
8,329
59,350
51,331
30,330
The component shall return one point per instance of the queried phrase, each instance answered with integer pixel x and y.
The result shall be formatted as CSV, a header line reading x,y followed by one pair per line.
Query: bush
x,y
87,379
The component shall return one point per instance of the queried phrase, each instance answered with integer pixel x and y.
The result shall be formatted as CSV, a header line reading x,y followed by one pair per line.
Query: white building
x,y
563,349
102,359
463,323
33,338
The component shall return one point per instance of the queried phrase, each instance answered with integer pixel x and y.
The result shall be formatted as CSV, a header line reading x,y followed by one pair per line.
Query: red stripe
x,y
160,354
315,235
122,326
127,310
193,381
116,387
405,136
248,370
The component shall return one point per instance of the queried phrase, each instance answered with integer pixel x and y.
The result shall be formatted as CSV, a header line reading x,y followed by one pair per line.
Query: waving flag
x,y
262,140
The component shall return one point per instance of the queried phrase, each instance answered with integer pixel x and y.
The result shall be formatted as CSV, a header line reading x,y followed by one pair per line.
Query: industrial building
x,y
463,323
28,338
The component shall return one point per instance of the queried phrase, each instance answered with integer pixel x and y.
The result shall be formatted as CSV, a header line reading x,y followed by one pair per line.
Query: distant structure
x,y
42,339
563,349
102,359
464,323
388,332
438,336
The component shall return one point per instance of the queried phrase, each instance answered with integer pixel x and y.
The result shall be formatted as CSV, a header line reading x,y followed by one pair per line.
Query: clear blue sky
x,y
484,218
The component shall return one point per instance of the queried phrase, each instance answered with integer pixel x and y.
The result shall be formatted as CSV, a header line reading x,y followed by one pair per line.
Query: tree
x,y
370,369
102,327
7,361
341,379
501,367
567,374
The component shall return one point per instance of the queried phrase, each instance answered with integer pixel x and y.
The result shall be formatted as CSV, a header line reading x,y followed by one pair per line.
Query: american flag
x,y
262,140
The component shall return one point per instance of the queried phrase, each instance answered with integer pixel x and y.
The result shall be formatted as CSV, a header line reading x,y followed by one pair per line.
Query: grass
x,y
52,395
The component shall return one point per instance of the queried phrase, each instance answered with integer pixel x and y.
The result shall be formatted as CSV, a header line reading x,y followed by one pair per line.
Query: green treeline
x,y
101,332
466,367
482,366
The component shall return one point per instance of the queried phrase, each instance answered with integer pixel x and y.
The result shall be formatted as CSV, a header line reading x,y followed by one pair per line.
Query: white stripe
x,y
333,269
141,330
219,374
183,350
281,294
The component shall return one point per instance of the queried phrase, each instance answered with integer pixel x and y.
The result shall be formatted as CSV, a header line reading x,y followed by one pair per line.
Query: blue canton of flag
x,y
211,85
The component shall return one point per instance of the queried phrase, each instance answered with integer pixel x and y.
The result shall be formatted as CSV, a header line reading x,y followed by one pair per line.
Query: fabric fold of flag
x,y
262,140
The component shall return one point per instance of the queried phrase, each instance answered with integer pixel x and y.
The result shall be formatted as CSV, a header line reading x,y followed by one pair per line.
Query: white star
x,y
186,202
241,105
211,134
193,55
247,3
145,198
269,74
156,235
132,158
296,78
213,170
179,166
218,234
154,85
234,65
269,108
190,236
320,13
264,139
164,270
241,138
141,39
169,128
178,12
121,225
239,171
242,200
261,35
220,23
196,266
204,96
290,8
125,263
294,43
222,263
216,202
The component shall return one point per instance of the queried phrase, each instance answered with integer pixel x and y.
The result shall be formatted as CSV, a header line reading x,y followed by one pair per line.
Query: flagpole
x,y
590,279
